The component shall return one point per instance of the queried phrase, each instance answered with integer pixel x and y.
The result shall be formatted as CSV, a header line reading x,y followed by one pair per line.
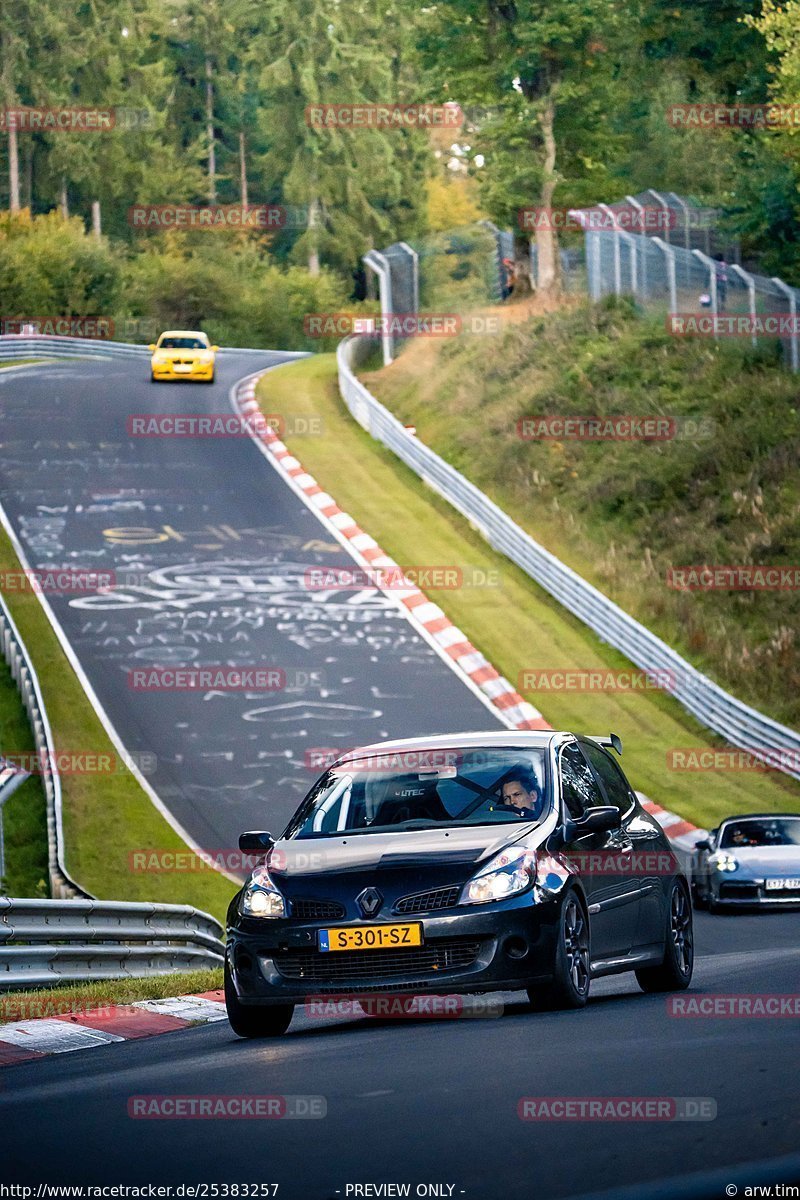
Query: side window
x,y
577,782
610,775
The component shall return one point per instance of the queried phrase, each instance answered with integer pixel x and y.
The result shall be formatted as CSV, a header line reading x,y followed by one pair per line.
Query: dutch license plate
x,y
370,937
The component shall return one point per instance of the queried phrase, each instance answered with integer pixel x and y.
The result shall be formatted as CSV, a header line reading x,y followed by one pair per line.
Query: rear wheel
x,y
675,972
256,1020
569,987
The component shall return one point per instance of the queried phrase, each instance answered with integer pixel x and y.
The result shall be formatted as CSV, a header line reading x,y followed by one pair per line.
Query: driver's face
x,y
514,793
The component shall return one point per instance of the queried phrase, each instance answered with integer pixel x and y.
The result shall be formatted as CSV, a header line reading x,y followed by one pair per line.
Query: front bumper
x,y
496,949
751,893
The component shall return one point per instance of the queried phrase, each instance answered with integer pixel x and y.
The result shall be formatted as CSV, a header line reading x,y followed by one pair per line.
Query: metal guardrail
x,y
738,723
14,345
26,679
45,942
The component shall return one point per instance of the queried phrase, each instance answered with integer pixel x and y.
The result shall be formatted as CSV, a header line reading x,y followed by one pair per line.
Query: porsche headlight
x,y
507,874
726,862
260,897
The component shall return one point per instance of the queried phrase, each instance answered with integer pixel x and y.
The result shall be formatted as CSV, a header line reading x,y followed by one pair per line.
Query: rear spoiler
x,y
612,739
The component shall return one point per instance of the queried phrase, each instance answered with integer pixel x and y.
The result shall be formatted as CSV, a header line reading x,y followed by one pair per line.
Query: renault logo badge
x,y
369,901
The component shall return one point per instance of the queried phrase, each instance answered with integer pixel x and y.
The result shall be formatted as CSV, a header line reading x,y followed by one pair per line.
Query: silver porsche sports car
x,y
749,861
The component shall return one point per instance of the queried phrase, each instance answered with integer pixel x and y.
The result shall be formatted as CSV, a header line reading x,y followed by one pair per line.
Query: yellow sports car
x,y
183,354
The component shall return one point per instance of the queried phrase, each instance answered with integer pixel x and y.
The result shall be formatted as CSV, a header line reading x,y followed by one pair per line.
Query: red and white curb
x,y
452,644
21,1041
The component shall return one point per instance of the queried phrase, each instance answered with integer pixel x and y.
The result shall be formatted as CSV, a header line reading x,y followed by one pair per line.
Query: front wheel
x,y
675,972
569,987
255,1021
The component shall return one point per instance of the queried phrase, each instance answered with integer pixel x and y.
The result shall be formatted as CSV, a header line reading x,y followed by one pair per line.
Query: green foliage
x,y
724,490
49,266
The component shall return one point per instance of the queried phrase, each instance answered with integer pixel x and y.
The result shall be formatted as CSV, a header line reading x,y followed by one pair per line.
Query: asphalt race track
x,y
215,545
209,548
435,1101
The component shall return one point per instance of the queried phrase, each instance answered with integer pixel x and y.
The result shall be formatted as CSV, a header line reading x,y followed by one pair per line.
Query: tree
x,y
538,69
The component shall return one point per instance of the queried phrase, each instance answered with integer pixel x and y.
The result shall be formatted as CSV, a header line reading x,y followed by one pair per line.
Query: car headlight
x,y
507,874
726,862
260,897
161,359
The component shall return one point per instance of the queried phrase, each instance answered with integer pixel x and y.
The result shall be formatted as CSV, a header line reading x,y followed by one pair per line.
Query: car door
x,y
612,919
645,865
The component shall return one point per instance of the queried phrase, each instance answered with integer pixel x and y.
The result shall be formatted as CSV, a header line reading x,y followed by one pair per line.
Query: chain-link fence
x,y
669,253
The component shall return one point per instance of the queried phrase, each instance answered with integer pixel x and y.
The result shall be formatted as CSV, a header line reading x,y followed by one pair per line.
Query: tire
x,y
255,1021
211,380
153,378
675,972
569,987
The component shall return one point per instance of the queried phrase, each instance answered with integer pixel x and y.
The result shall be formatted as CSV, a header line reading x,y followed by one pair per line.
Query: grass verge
x,y
24,814
515,624
106,815
85,997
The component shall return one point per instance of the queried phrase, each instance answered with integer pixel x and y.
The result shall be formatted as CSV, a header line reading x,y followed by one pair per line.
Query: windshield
x,y
447,788
773,831
182,343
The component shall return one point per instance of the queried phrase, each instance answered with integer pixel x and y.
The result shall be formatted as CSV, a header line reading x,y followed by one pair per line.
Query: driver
x,y
521,792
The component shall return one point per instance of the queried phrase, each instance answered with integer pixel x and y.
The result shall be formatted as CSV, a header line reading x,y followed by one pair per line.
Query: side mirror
x,y
599,820
703,844
215,348
256,842
152,346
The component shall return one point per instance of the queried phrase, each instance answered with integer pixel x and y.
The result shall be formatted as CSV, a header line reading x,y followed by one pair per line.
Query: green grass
x,y
18,362
516,624
24,815
83,997
622,513
106,815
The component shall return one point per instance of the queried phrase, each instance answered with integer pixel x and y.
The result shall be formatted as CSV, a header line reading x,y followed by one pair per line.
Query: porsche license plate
x,y
370,937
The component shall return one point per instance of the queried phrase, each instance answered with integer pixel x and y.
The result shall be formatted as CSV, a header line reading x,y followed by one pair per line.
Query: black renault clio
x,y
478,862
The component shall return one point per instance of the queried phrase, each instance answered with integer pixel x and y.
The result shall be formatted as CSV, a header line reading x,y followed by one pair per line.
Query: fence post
x,y
751,292
634,203
669,254
414,272
687,237
660,200
791,294
377,263
712,269
630,241
617,261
